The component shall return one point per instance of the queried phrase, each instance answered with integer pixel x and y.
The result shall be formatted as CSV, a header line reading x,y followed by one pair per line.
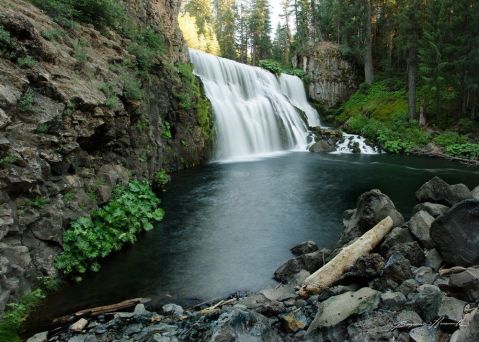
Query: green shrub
x,y
5,39
271,66
131,87
26,62
53,34
166,131
132,209
26,102
450,138
111,97
100,13
80,53
161,179
42,128
7,160
468,151
147,46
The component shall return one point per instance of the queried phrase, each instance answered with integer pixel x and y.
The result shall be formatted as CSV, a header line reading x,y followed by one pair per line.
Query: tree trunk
x,y
335,268
412,74
368,55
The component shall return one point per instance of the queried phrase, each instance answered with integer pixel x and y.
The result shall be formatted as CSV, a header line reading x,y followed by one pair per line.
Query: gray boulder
x,y
420,225
425,275
451,308
372,207
398,268
465,284
438,191
433,259
433,209
456,234
426,301
310,262
469,329
305,247
410,250
393,300
475,193
396,236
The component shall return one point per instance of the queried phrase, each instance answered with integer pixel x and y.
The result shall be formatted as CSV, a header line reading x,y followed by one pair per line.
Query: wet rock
x,y
294,321
40,337
438,191
426,301
433,209
392,300
279,293
263,305
451,308
288,270
305,247
322,146
456,234
407,318
398,268
310,262
465,284
425,275
420,225
424,334
79,325
313,261
338,308
366,268
243,325
410,250
372,207
396,236
408,286
475,193
433,259
172,309
335,291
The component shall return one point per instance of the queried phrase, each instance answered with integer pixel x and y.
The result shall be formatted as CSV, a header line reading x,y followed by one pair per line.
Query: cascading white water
x,y
255,112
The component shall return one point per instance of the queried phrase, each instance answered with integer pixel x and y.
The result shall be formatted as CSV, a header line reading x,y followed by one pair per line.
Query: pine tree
x,y
226,14
260,31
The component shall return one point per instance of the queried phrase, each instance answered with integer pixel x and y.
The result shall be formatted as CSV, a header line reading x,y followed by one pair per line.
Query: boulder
x,y
310,262
469,329
425,275
303,248
294,321
322,146
433,209
451,308
336,309
424,334
243,325
396,236
366,268
172,309
408,286
79,325
475,193
465,284
420,225
433,259
398,268
426,301
372,207
410,250
456,234
438,191
376,326
393,300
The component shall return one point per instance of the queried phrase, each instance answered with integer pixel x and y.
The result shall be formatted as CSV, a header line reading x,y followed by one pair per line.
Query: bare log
x,y
336,267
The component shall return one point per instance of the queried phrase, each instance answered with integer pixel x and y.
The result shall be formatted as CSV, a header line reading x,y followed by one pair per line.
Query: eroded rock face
x,y
64,147
456,234
333,78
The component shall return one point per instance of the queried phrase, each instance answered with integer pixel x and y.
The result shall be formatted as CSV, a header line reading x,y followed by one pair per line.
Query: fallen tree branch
x,y
336,267
217,305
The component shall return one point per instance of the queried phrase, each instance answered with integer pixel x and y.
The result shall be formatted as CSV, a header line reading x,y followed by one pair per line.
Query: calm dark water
x,y
229,226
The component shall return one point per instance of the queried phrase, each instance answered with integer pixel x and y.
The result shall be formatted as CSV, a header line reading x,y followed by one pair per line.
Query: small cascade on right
x,y
352,143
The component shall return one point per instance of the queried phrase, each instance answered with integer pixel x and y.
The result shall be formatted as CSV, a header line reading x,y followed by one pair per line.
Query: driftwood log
x,y
336,267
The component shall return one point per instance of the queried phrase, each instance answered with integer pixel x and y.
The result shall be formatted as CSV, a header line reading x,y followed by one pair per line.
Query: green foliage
x,y
26,62
38,202
271,66
5,39
468,151
146,47
100,13
7,160
166,131
111,97
450,138
53,34
161,178
131,87
42,128
132,209
26,102
80,53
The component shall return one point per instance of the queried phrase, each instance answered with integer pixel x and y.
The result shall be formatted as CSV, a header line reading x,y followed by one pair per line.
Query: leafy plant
x,y
450,138
4,37
79,52
26,62
38,202
271,66
161,178
7,160
166,131
132,209
42,128
53,34
26,102
111,98
468,151
132,88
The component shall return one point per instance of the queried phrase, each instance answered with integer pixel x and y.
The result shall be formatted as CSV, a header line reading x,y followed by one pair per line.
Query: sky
x,y
275,12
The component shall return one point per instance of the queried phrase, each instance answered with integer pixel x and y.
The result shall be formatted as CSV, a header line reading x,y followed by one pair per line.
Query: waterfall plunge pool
x,y
229,226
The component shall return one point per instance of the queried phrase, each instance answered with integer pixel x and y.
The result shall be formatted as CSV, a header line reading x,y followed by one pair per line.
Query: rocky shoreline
x,y
420,284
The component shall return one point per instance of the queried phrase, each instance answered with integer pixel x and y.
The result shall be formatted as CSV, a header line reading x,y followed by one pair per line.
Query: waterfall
x,y
255,112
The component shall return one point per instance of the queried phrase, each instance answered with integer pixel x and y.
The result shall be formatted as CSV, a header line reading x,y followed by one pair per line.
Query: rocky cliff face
x,y
69,134
332,78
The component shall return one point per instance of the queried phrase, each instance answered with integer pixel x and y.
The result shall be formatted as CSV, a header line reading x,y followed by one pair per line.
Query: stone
x,y
279,293
310,262
398,268
456,234
420,225
4,119
424,333
392,300
407,318
438,191
408,286
313,261
336,290
366,268
433,259
294,321
475,193
338,308
452,308
410,250
140,310
469,329
243,325
372,207
375,326
79,325
426,301
433,209
322,146
172,309
303,248
396,236
40,337
465,284
425,275
288,270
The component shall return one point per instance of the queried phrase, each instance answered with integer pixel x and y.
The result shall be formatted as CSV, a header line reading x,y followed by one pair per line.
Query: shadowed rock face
x,y
63,147
333,78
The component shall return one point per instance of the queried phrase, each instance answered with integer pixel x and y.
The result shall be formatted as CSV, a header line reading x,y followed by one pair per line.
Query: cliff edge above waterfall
x,y
84,107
